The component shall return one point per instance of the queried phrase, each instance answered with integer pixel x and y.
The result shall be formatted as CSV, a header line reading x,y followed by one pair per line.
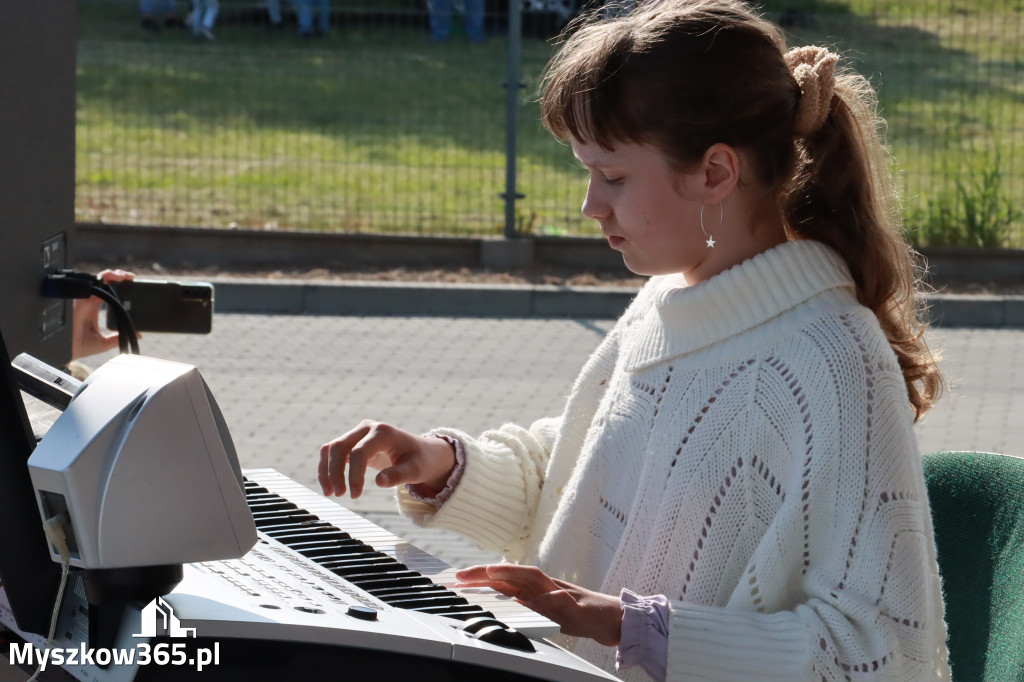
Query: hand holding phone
x,y
88,336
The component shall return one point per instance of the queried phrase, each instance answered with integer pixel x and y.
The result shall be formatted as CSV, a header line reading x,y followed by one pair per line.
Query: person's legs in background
x,y
274,13
204,16
474,20
171,18
305,14
148,8
323,24
440,19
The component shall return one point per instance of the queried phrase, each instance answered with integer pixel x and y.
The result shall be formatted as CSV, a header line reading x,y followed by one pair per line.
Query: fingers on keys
x,y
353,451
401,456
524,583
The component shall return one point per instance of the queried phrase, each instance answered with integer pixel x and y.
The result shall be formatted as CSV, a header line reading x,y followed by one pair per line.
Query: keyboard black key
x,y
333,560
272,519
428,600
261,498
374,585
401,593
363,569
467,612
271,506
299,531
446,609
367,569
319,539
335,548
355,559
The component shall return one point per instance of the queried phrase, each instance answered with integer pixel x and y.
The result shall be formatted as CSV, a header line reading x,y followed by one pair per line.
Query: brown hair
x,y
682,75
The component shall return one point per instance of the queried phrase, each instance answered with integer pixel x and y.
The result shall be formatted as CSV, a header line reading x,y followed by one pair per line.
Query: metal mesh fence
x,y
375,125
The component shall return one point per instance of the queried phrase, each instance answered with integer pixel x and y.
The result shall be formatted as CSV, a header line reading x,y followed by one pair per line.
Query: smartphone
x,y
165,306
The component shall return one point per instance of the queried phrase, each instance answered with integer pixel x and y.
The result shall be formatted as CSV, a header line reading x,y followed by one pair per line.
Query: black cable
x,y
71,284
127,337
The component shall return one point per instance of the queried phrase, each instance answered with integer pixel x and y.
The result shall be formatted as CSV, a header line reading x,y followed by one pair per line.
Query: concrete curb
x,y
981,311
285,297
291,297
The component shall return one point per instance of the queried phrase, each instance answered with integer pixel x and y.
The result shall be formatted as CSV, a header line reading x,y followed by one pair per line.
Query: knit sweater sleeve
x,y
844,584
493,503
496,499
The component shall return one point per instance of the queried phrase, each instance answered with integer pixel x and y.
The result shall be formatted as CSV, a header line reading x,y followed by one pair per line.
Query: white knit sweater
x,y
744,447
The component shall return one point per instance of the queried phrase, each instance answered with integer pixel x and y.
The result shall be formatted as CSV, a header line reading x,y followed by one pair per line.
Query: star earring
x,y
721,216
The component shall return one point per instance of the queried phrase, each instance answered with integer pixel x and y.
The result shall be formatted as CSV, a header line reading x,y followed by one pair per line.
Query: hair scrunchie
x,y
813,68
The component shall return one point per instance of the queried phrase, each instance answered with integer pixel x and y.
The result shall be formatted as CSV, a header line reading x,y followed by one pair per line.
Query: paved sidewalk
x,y
287,384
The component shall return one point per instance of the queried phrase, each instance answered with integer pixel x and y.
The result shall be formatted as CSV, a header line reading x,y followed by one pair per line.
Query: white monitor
x,y
142,464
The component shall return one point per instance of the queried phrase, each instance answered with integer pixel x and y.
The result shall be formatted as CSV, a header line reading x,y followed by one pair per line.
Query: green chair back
x,y
977,502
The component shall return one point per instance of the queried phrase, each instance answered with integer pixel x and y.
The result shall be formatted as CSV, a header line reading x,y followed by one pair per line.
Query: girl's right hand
x,y
402,457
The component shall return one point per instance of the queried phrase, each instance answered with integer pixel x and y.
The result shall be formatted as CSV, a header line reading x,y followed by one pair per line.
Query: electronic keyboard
x,y
324,592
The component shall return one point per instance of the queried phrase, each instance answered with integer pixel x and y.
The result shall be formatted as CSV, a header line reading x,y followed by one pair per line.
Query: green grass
x,y
376,129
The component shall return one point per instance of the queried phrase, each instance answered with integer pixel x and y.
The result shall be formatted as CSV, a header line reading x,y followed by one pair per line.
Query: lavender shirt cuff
x,y
644,639
453,481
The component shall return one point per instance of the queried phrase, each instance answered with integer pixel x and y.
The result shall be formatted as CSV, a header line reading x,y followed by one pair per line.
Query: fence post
x,y
512,86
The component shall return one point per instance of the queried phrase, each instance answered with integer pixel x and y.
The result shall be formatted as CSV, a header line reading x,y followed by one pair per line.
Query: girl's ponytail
x,y
842,194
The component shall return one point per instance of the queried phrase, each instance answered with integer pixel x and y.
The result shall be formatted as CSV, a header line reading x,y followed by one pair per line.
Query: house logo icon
x,y
158,619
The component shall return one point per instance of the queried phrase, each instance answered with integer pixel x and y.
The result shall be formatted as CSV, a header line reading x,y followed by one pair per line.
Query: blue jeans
x,y
323,16
274,11
441,19
204,14
148,7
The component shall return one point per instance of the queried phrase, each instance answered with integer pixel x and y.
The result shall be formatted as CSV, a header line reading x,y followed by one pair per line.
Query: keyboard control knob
x,y
505,637
362,612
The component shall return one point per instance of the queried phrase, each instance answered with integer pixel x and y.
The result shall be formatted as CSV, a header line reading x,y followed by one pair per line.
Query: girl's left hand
x,y
580,612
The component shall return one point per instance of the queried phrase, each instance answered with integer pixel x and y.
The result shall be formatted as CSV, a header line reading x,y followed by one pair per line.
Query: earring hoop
x,y
721,217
